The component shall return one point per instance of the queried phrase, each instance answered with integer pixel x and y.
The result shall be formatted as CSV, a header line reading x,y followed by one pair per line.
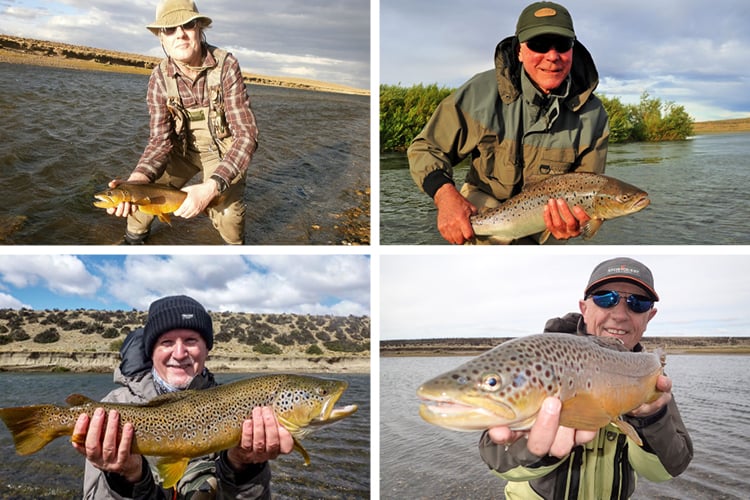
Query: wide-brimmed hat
x,y
544,18
173,13
622,269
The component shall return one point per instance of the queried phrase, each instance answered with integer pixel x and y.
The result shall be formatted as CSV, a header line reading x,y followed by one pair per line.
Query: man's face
x,y
179,355
183,44
618,321
550,64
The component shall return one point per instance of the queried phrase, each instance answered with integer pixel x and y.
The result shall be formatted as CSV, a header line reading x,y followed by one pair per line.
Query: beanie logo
x,y
187,316
545,12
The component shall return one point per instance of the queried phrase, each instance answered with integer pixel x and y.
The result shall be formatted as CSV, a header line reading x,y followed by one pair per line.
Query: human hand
x,y
96,438
263,439
546,436
198,198
663,384
453,215
125,208
561,222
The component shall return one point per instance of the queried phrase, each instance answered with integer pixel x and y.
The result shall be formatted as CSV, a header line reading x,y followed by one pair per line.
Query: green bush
x,y
651,120
314,350
266,348
48,336
405,111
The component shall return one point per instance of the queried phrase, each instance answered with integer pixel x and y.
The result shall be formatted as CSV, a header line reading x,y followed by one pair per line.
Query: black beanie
x,y
176,312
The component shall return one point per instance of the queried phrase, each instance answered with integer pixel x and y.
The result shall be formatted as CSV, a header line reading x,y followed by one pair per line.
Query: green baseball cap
x,y
544,18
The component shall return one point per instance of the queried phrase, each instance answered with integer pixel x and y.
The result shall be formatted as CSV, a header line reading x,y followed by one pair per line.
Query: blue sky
x,y
327,40
692,52
491,295
301,284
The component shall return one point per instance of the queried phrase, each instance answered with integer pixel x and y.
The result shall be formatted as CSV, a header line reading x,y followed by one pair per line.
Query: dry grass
x,y
722,126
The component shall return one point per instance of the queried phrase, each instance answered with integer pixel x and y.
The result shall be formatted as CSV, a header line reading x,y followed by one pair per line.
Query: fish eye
x,y
491,382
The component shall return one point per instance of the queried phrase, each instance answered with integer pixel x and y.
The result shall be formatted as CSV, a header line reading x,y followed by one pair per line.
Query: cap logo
x,y
545,12
624,269
186,316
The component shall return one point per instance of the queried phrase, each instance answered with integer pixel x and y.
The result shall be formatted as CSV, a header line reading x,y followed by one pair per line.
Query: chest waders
x,y
201,139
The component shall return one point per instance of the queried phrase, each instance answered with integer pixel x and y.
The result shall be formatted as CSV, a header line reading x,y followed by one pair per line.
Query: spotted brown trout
x,y
522,215
596,378
188,424
154,199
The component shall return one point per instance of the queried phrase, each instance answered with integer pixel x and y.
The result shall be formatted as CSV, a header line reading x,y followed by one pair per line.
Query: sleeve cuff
x,y
435,180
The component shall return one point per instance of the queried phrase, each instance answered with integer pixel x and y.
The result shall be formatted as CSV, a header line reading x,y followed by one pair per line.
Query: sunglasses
x,y
610,298
185,27
543,43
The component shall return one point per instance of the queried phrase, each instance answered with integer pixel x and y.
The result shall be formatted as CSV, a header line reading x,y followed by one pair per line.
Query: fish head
x,y
496,388
111,198
303,403
617,198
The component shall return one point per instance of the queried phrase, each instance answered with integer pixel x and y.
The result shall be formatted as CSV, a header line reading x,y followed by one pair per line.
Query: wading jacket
x,y
607,467
512,133
206,477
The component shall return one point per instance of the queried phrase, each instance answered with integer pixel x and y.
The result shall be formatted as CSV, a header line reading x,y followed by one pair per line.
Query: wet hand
x,y
263,439
546,436
453,215
124,209
98,439
198,198
561,222
663,384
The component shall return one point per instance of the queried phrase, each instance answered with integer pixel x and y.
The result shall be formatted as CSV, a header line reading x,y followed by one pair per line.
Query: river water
x,y
65,133
419,460
340,453
698,192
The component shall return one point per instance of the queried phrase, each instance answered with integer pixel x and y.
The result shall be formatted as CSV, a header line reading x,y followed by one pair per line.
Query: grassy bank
x,y
476,346
19,50
722,126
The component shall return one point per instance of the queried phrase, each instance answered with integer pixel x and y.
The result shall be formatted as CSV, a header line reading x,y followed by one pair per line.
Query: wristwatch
x,y
221,184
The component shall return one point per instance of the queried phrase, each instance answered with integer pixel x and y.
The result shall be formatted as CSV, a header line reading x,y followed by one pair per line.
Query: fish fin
x,y
544,237
30,428
171,470
628,430
303,451
164,218
78,400
590,227
583,411
142,201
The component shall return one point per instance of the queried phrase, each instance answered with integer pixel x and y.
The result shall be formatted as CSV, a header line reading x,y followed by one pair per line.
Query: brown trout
x,y
188,424
600,196
596,378
154,199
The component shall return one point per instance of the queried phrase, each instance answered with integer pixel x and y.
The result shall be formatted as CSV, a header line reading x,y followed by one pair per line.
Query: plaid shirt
x,y
193,94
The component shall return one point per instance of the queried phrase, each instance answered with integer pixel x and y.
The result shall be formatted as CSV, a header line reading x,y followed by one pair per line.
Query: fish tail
x,y
31,427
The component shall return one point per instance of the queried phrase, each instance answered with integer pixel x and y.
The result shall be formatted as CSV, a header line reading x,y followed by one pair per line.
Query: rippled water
x,y
419,460
65,133
698,191
340,453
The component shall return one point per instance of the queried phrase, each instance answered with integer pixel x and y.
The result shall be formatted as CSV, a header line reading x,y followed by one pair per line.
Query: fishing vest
x,y
200,128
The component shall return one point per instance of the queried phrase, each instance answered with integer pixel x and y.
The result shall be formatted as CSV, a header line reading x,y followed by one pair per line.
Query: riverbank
x,y
18,50
476,346
89,341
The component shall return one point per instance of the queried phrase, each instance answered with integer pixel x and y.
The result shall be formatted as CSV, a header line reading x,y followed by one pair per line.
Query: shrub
x,y
48,336
266,348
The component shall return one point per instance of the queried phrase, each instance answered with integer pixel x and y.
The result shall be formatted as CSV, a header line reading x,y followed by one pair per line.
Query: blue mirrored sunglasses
x,y
610,298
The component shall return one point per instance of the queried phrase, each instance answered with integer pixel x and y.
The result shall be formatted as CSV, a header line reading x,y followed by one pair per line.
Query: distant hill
x,y
722,126
44,53
45,339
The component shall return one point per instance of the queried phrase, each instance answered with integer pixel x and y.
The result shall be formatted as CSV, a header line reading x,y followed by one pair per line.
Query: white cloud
x,y
63,274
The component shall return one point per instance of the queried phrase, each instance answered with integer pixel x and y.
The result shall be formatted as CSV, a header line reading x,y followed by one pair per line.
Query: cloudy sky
x,y
327,40
692,52
301,284
491,295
